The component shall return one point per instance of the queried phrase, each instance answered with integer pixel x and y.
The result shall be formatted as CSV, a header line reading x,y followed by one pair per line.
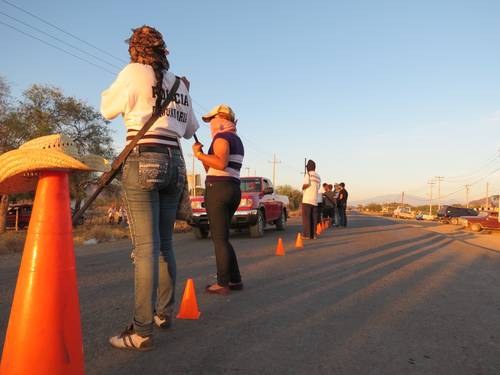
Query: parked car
x,y
480,222
451,214
259,206
404,213
23,214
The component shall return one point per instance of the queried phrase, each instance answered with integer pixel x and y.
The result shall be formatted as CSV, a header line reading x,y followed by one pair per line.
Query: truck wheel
x,y
281,222
257,230
200,233
454,221
476,227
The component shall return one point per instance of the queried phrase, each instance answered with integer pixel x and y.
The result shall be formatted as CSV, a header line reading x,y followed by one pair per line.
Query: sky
x,y
383,95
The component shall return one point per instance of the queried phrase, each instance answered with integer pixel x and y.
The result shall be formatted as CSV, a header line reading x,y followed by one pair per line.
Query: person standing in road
x,y
223,163
329,199
342,204
321,202
310,189
336,216
153,178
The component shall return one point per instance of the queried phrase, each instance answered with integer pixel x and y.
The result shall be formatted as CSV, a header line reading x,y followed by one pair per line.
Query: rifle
x,y
107,177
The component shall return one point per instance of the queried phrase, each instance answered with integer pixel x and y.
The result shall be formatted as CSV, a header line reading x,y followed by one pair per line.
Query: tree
x,y
44,110
374,207
294,195
5,100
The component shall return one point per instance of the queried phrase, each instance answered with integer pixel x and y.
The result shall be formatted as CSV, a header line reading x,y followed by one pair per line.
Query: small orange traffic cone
x,y
318,229
44,333
280,250
299,244
189,305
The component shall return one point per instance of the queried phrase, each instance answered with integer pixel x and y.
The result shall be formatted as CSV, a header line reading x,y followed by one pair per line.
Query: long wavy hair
x,y
146,46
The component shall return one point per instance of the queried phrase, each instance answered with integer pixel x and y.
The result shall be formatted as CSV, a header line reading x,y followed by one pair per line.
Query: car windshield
x,y
250,185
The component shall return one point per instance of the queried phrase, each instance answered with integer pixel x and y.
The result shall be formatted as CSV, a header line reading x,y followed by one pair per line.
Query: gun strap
x,y
107,177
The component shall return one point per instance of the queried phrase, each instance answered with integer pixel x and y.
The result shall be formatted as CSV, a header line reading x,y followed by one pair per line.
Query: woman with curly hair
x,y
153,178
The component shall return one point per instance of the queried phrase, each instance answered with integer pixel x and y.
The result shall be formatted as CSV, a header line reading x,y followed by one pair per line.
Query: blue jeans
x,y
152,185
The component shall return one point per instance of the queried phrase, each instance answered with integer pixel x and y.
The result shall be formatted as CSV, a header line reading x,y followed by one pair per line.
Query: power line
x,y
473,183
248,141
59,40
466,176
58,48
62,30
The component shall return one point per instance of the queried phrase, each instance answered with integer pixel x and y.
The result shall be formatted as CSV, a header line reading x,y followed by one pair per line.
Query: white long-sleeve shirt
x,y
131,95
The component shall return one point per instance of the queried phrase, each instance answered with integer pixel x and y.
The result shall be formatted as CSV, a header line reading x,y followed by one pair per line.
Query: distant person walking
x,y
310,189
342,204
223,163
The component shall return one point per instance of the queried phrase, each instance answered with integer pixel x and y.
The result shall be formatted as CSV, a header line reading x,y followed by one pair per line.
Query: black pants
x,y
328,214
222,198
342,214
319,211
309,220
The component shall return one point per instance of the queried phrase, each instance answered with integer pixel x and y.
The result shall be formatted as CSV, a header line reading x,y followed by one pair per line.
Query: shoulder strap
x,y
107,177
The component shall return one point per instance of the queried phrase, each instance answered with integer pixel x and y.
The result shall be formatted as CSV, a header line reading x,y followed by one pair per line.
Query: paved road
x,y
379,297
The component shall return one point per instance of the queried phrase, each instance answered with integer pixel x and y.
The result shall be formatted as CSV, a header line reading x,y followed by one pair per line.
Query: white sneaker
x,y
130,340
163,322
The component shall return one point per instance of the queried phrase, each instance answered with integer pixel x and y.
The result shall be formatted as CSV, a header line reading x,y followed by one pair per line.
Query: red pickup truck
x,y
482,221
259,206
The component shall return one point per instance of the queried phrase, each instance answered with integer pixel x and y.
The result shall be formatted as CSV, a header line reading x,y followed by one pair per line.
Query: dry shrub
x,y
12,242
107,232
101,233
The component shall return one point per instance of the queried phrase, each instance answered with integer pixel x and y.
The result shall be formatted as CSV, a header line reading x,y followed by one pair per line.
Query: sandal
x,y
217,289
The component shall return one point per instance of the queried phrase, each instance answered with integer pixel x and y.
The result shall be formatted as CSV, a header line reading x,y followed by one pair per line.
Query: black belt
x,y
163,149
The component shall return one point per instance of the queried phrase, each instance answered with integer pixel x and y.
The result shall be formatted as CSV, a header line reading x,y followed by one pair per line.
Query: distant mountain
x,y
408,199
482,202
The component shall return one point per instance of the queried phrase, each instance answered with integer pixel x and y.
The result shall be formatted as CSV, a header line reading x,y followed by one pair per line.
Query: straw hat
x,y
18,168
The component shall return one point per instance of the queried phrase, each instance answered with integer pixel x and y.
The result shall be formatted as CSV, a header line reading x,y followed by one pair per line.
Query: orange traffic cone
x,y
280,250
44,332
318,229
299,244
189,305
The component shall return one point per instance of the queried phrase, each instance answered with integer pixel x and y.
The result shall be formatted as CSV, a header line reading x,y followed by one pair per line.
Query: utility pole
x,y
402,199
248,171
274,162
431,184
439,179
487,198
467,188
194,179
